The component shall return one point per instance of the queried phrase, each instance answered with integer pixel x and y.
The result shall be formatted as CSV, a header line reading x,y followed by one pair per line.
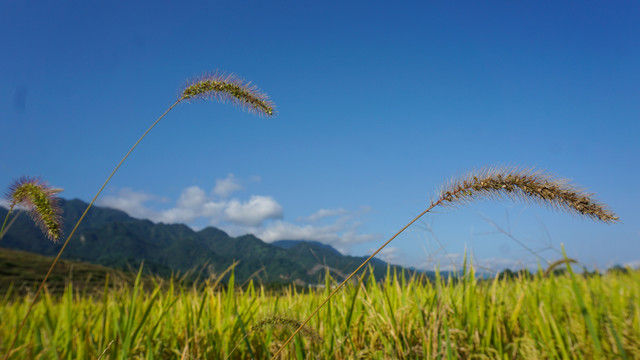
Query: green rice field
x,y
566,316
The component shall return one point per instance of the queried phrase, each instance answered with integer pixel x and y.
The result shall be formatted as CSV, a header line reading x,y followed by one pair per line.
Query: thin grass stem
x,y
55,261
218,86
4,223
496,183
349,278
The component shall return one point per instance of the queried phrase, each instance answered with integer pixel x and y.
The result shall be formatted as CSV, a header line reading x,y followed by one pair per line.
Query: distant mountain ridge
x,y
112,238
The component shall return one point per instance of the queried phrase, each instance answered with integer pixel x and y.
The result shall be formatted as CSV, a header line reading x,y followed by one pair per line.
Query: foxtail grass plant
x,y
497,183
39,200
217,86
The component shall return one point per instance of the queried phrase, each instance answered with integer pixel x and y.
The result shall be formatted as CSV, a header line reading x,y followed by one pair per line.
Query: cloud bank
x,y
260,215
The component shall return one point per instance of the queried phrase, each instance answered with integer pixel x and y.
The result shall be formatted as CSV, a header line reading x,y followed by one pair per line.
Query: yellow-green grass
x,y
557,317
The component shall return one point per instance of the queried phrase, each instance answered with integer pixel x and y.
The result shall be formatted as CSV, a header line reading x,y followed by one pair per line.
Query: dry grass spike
x,y
40,202
276,321
527,185
228,87
290,323
557,263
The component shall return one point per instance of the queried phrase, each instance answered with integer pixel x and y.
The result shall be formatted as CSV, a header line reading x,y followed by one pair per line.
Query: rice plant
x,y
400,317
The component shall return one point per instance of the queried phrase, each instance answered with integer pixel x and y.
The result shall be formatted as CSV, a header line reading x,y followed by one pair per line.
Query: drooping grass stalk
x,y
557,263
228,87
526,185
215,86
40,202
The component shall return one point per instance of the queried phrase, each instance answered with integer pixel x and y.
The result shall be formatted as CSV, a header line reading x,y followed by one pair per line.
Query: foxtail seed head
x,y
228,87
290,323
41,203
276,321
524,185
557,263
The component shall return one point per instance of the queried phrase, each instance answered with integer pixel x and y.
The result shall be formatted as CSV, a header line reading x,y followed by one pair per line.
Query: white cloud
x,y
281,230
5,203
390,255
260,215
254,212
193,204
227,186
177,215
455,262
324,213
131,202
213,210
192,197
342,234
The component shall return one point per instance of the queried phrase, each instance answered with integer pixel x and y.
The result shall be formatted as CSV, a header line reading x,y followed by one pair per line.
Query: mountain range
x,y
111,238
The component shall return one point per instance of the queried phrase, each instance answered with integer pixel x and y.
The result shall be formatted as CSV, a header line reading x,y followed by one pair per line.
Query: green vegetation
x,y
21,272
554,315
536,317
111,238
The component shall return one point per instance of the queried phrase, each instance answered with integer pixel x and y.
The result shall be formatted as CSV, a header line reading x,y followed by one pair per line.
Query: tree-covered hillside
x,y
111,238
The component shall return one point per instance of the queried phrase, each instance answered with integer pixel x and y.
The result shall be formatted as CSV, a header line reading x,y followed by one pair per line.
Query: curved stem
x,y
13,219
35,297
5,222
350,276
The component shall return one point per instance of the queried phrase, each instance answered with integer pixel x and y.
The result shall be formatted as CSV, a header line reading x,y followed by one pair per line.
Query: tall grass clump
x,y
213,86
497,183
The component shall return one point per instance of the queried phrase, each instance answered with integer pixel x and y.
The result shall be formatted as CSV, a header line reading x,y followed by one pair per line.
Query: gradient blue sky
x,y
378,104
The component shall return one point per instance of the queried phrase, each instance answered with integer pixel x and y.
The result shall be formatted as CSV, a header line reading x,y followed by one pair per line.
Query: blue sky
x,y
378,105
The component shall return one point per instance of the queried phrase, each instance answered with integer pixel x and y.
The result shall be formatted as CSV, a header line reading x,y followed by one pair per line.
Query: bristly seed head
x,y
525,185
228,87
40,201
287,322
557,263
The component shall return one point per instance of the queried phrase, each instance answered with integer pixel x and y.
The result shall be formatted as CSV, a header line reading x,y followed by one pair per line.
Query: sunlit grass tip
x,y
526,185
40,202
225,87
